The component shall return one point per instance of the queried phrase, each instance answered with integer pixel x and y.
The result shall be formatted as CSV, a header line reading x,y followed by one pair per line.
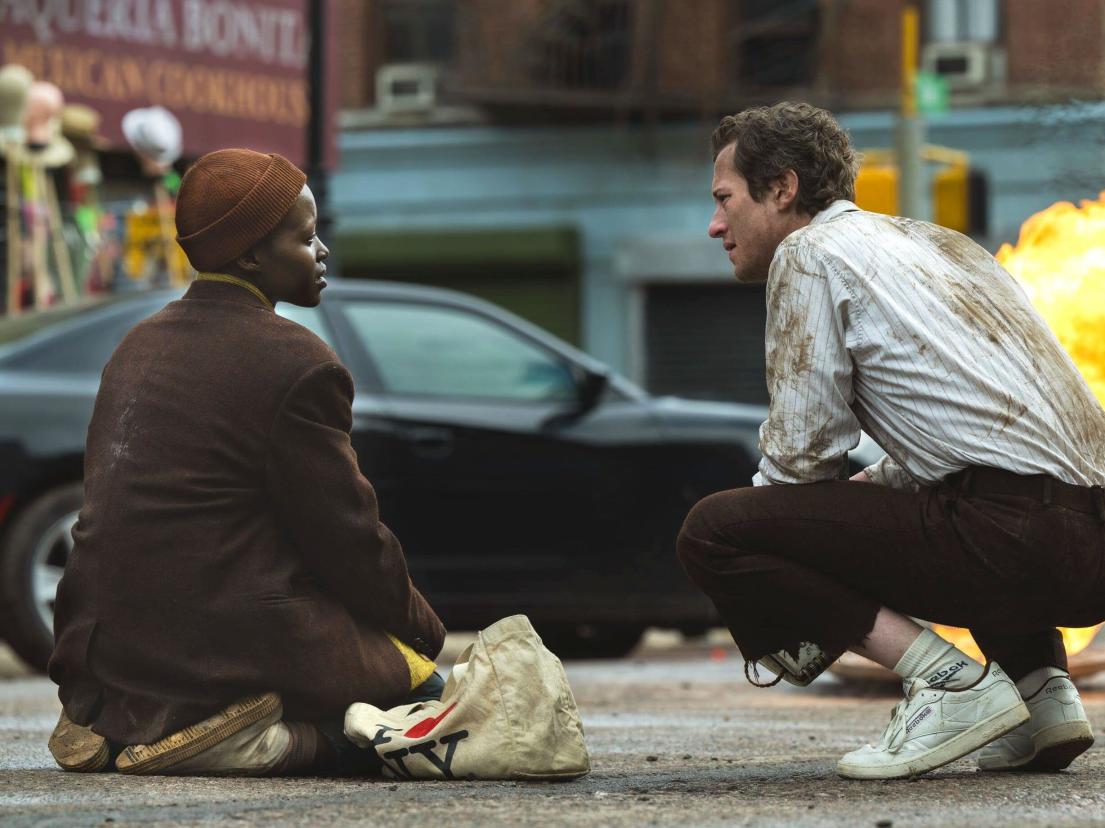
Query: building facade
x,y
562,166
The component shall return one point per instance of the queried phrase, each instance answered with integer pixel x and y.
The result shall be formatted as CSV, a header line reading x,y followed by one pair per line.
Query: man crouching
x,y
232,589
987,511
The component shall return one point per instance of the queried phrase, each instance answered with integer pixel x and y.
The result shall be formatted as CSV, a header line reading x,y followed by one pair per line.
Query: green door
x,y
534,273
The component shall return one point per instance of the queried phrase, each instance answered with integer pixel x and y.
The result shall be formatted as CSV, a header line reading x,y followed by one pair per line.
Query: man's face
x,y
750,230
291,257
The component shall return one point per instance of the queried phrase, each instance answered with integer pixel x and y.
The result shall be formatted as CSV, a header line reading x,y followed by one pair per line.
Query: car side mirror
x,y
590,385
589,389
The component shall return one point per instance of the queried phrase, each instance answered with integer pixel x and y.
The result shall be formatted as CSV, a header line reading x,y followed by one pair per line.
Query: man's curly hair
x,y
791,136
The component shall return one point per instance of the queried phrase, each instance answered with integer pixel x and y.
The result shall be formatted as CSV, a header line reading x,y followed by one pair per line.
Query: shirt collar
x,y
226,278
833,210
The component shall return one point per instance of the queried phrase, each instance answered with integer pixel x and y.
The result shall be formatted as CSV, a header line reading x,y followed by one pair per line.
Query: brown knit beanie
x,y
231,199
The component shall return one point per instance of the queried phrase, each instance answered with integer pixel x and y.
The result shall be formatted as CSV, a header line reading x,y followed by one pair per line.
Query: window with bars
x,y
777,42
418,31
583,45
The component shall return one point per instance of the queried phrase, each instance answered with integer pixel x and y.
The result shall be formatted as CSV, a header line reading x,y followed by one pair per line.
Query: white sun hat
x,y
154,133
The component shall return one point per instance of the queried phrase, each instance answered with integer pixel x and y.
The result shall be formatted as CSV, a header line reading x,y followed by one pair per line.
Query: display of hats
x,y
15,81
81,124
154,134
43,115
42,124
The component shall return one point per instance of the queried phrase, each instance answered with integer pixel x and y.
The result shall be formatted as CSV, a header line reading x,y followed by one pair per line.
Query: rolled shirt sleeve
x,y
330,510
886,472
810,427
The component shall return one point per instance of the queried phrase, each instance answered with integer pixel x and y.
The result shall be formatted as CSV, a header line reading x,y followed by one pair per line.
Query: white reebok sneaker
x,y
1055,736
931,727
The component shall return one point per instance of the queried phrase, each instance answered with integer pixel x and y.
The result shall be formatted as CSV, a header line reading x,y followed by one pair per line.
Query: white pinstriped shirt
x,y
916,335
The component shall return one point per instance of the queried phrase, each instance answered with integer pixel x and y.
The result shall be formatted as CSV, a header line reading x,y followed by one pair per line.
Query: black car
x,y
520,474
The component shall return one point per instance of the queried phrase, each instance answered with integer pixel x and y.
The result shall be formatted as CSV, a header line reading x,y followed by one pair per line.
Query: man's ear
x,y
784,192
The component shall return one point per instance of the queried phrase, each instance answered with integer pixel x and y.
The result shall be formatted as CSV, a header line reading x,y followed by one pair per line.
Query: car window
x,y
86,346
15,328
448,351
309,318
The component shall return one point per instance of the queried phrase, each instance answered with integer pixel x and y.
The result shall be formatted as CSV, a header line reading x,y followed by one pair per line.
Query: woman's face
x,y
291,257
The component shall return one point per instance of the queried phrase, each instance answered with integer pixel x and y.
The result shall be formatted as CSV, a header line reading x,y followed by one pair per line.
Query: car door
x,y
372,428
493,496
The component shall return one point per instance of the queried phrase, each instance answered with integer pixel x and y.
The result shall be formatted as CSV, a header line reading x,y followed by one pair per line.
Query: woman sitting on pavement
x,y
232,589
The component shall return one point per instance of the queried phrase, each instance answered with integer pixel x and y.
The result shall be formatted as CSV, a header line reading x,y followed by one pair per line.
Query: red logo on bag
x,y
426,726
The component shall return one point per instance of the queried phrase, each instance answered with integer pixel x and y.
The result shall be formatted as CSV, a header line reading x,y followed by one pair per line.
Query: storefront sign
x,y
235,72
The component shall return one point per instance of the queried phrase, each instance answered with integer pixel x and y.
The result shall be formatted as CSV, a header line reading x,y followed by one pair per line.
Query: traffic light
x,y
960,199
978,203
877,188
960,193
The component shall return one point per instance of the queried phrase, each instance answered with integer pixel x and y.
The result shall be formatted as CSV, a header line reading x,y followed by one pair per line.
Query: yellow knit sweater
x,y
421,667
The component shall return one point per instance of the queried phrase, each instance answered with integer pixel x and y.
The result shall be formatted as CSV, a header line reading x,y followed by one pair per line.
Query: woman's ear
x,y
249,262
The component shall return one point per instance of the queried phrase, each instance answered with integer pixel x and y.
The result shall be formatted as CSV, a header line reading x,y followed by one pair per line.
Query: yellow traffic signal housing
x,y
877,188
960,193
951,198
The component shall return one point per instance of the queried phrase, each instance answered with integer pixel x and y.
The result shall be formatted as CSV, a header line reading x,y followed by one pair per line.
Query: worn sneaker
x,y
1055,736
934,726
811,662
238,740
76,748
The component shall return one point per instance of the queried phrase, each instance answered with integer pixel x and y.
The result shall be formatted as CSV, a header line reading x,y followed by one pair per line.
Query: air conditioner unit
x,y
965,65
406,87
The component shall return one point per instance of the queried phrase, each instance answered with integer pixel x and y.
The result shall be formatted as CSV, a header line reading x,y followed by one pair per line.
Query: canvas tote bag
x,y
507,712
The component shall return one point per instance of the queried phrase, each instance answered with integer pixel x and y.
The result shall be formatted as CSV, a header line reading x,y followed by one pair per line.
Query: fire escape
x,y
632,57
577,54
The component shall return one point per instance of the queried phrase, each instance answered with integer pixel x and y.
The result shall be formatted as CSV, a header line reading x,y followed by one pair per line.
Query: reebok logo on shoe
x,y
945,674
916,720
1057,733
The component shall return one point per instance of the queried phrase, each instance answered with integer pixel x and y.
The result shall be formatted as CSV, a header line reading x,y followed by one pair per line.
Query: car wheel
x,y
590,641
32,558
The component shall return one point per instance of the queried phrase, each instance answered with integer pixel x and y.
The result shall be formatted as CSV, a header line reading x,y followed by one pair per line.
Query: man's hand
x,y
860,477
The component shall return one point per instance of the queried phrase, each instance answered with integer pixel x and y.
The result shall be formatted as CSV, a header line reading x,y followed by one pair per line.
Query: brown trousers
x,y
1007,556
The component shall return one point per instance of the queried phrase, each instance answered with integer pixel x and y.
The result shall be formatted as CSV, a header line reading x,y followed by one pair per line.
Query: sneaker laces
x,y
894,735
752,668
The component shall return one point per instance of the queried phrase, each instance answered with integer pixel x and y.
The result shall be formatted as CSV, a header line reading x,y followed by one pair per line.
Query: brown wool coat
x,y
228,543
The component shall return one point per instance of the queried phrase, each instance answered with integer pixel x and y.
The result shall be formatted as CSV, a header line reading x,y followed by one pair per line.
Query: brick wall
x,y
1057,44
694,56
1055,49
862,48
491,40
354,52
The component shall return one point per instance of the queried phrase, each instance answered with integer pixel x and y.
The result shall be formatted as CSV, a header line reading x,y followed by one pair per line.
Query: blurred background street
x,y
516,196
677,737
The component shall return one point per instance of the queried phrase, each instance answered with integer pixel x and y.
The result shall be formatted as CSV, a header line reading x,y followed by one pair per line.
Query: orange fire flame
x,y
1060,260
1076,640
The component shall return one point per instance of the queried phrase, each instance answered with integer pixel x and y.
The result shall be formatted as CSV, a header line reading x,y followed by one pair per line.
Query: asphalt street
x,y
676,738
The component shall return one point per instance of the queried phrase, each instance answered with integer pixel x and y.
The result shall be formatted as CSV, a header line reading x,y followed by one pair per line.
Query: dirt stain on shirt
x,y
993,305
789,365
791,357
